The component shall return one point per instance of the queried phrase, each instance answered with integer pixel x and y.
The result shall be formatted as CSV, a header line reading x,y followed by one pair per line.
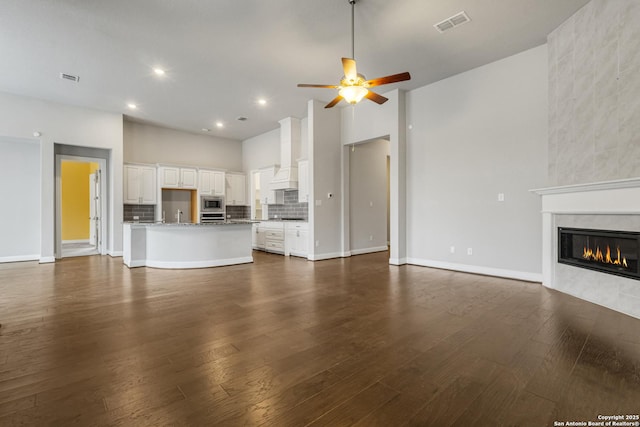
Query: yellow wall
x,y
75,199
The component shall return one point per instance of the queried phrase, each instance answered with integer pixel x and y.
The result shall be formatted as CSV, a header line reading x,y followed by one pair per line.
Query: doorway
x,y
80,209
368,196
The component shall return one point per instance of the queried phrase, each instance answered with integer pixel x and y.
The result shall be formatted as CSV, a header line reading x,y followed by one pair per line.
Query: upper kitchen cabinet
x,y
236,189
211,183
303,181
140,185
269,197
174,177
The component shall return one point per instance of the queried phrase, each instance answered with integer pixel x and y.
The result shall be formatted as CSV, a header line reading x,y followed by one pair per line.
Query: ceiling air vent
x,y
453,21
241,118
69,77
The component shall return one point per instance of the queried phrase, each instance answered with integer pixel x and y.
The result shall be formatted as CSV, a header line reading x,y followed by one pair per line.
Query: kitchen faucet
x,y
179,214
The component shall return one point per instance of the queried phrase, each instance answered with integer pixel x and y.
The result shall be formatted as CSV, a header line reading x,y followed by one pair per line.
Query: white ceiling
x,y
221,55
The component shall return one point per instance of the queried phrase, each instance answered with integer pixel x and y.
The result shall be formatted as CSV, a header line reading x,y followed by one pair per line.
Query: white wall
x,y
325,176
475,135
304,138
144,143
21,116
368,196
261,151
264,150
20,196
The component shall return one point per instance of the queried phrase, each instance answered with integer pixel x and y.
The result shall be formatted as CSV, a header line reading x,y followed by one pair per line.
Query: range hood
x,y
286,178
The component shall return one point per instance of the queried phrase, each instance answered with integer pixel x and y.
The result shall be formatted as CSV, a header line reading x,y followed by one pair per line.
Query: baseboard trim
x,y
198,264
47,259
115,254
475,269
136,263
320,257
19,258
369,250
397,261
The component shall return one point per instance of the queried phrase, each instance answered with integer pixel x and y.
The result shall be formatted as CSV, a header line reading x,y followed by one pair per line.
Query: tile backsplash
x,y
238,212
144,212
291,208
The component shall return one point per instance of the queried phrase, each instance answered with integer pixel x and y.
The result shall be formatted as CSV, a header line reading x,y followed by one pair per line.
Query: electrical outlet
x,y
317,243
452,249
501,197
469,251
136,218
371,237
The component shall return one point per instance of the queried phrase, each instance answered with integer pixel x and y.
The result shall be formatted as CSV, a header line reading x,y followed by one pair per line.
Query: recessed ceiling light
x,y
262,101
219,124
159,71
132,106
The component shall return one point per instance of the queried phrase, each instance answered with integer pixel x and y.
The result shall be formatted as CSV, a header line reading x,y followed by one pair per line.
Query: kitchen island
x,y
162,245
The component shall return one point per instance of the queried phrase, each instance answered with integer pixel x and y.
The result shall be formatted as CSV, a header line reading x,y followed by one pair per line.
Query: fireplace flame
x,y
605,257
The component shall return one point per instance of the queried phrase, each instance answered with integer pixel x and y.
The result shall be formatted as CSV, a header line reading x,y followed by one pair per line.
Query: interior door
x,y
96,209
93,238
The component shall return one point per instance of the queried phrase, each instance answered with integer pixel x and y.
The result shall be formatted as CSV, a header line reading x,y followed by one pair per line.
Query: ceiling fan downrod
x,y
353,43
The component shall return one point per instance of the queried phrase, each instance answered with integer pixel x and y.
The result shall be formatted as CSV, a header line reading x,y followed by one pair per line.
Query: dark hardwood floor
x,y
287,342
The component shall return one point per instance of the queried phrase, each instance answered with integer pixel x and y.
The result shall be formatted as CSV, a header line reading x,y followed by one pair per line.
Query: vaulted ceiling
x,y
221,56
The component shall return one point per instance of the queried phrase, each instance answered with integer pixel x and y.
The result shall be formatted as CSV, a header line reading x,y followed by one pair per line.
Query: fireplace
x,y
607,251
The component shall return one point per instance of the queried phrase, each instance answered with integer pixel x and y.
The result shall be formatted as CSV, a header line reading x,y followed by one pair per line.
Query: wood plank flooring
x,y
287,342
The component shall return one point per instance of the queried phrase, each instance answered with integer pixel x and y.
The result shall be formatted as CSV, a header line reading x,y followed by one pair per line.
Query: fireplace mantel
x,y
620,197
592,204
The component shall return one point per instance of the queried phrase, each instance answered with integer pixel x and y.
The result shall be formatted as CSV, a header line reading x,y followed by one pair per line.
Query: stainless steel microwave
x,y
211,204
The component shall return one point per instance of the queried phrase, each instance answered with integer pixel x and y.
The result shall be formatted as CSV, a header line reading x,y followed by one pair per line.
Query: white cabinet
x,y
211,183
173,177
258,238
273,236
139,185
236,189
297,239
303,181
269,197
269,236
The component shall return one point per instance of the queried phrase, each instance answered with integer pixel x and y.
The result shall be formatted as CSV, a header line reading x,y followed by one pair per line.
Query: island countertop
x,y
191,224
186,245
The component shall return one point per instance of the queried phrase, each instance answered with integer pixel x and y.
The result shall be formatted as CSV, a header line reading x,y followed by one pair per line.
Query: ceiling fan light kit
x,y
353,86
353,94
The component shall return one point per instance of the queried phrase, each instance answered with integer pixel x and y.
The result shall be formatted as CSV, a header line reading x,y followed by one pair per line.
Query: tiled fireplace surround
x,y
611,205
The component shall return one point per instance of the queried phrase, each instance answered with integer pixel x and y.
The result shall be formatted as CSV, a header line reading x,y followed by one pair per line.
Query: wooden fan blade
x,y
349,66
333,102
388,79
323,86
376,98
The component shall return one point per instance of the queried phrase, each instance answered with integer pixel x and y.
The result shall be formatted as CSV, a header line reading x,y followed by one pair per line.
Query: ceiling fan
x,y
354,86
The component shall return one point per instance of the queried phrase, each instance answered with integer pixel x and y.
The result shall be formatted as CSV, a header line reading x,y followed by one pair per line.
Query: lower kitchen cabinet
x,y
297,239
258,234
269,236
274,237
287,238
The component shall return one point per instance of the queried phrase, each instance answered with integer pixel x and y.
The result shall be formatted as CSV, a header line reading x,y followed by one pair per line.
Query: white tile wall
x,y
594,94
